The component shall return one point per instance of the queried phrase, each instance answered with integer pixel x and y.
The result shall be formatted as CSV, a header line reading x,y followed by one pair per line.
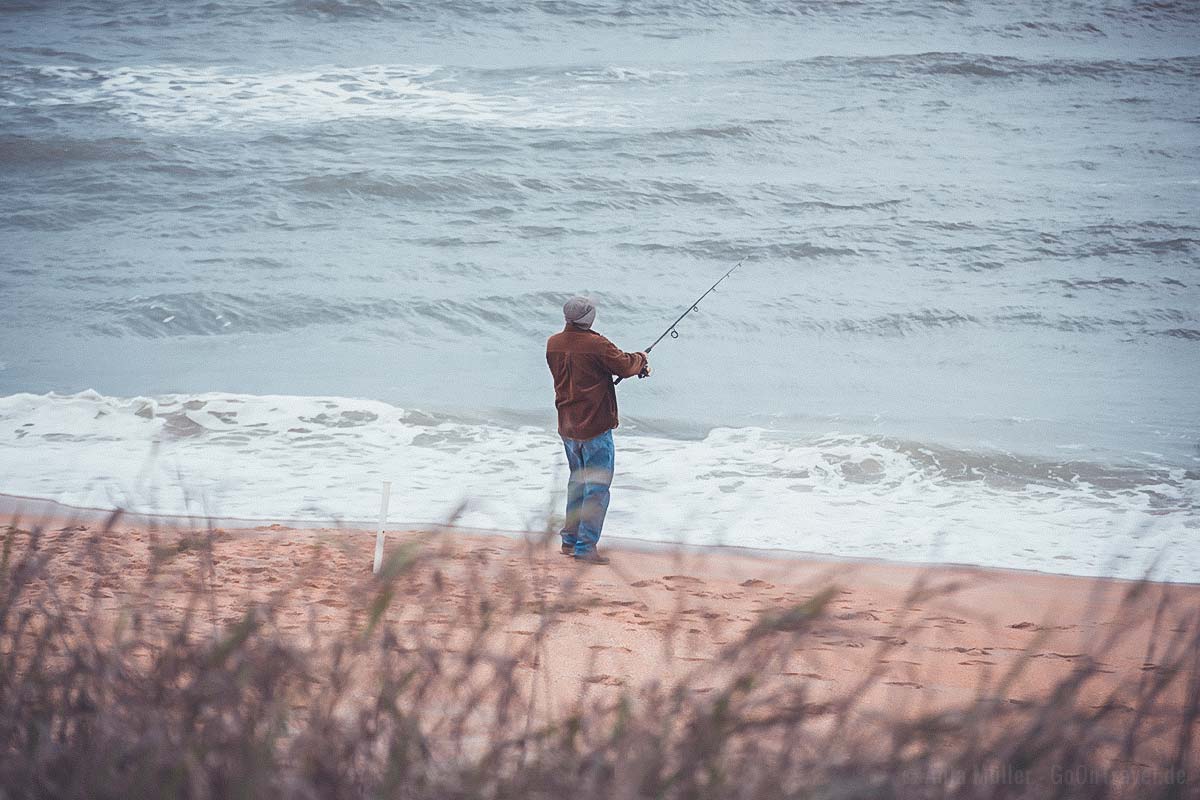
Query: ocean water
x,y
259,256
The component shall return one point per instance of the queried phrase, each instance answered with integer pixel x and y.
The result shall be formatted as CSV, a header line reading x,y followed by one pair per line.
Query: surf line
x,y
695,306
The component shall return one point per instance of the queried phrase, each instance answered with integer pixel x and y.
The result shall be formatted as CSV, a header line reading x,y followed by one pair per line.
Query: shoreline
x,y
11,504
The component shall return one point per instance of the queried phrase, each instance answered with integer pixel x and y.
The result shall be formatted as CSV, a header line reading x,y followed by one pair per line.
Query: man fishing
x,y
583,364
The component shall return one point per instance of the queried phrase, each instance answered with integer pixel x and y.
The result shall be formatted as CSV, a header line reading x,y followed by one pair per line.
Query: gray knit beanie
x,y
579,311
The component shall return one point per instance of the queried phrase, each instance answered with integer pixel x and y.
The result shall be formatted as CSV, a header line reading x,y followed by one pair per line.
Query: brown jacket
x,y
583,364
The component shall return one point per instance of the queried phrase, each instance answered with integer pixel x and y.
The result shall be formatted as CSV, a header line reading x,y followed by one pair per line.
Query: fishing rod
x,y
674,334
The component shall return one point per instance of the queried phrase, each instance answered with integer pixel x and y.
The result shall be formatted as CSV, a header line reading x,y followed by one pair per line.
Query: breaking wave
x,y
182,97
322,458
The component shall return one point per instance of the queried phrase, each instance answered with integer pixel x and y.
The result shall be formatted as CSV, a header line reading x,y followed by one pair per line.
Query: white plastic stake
x,y
383,509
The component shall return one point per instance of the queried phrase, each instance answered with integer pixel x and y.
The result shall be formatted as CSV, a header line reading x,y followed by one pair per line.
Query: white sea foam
x,y
190,97
323,459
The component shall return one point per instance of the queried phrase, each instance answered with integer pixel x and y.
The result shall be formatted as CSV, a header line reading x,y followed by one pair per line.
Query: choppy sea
x,y
257,257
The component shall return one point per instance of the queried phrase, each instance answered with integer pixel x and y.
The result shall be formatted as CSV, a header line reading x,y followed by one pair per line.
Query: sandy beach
x,y
920,638
471,653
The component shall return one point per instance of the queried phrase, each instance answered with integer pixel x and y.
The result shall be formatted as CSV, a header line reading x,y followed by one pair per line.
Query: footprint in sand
x,y
605,680
755,583
1030,626
1115,706
810,675
1066,656
843,643
967,651
895,641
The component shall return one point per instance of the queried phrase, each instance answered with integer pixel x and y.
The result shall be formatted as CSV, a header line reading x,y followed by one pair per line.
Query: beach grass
x,y
148,683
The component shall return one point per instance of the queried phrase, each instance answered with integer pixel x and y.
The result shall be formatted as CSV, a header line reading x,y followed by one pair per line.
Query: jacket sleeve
x,y
623,365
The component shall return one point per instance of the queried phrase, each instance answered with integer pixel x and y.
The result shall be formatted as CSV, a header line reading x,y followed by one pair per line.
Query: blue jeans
x,y
591,462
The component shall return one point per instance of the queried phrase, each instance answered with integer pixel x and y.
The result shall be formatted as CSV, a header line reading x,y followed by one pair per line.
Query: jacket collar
x,y
571,327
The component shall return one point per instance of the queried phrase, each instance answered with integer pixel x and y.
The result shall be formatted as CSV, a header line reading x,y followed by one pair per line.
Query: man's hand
x,y
645,373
